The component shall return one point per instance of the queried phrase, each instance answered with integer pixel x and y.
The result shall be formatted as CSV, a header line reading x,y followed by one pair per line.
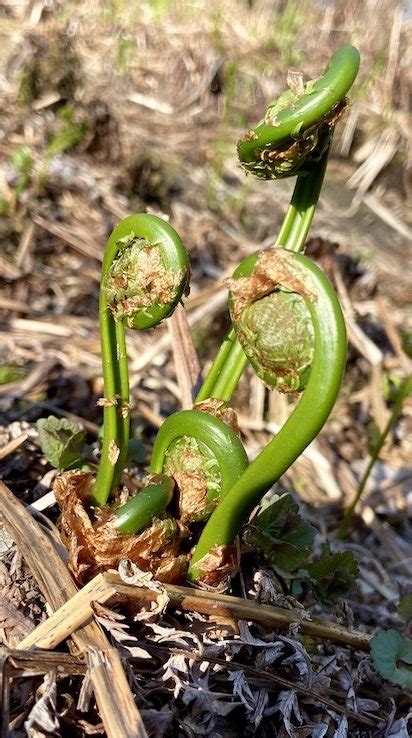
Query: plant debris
x,y
93,546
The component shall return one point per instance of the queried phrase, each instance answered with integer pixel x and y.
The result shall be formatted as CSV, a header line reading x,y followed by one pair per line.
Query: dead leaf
x,y
95,546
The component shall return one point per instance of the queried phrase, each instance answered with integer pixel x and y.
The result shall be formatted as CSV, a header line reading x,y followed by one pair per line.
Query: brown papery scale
x,y
138,278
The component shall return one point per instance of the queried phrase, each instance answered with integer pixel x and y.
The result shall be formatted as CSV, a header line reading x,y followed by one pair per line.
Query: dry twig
x,y
109,586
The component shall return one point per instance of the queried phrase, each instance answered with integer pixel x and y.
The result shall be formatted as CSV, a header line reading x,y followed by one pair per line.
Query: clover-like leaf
x,y
392,657
280,531
61,441
332,574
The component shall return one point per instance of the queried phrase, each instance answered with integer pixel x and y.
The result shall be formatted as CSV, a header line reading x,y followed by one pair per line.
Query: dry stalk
x,y
116,706
120,715
78,244
188,372
109,586
12,446
36,663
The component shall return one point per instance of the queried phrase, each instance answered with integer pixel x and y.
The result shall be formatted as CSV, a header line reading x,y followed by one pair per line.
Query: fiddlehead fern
x,y
145,272
272,321
203,454
306,420
286,321
296,129
285,312
293,138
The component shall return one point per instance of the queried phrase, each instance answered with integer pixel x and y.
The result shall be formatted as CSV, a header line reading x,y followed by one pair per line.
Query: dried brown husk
x,y
186,464
139,279
275,267
192,493
221,410
215,569
192,482
95,546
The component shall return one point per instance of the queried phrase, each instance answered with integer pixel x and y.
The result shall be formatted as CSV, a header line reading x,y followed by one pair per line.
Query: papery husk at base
x,y
97,546
216,568
220,409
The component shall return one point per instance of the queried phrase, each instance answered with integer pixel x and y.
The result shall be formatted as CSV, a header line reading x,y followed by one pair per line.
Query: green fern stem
x,y
294,131
299,142
302,426
145,271
403,392
137,513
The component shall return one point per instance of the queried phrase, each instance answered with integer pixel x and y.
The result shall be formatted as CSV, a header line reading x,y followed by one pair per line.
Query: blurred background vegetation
x,y
152,96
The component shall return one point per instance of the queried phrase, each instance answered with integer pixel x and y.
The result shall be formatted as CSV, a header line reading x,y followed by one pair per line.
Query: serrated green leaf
x,y
61,441
282,534
332,574
405,607
392,657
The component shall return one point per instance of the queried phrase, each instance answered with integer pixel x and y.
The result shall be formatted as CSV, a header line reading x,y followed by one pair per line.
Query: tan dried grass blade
x,y
71,616
188,372
12,446
120,716
118,712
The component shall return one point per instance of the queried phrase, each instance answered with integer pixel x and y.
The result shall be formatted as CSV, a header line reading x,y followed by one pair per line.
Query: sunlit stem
x,y
116,390
301,427
298,219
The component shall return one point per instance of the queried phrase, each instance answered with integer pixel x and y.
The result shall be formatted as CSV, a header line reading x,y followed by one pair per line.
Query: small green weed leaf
x,y
332,574
392,657
405,607
61,441
22,161
406,338
282,534
67,138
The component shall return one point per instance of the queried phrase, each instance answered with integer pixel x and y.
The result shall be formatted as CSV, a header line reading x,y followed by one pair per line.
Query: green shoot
x,y
403,392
